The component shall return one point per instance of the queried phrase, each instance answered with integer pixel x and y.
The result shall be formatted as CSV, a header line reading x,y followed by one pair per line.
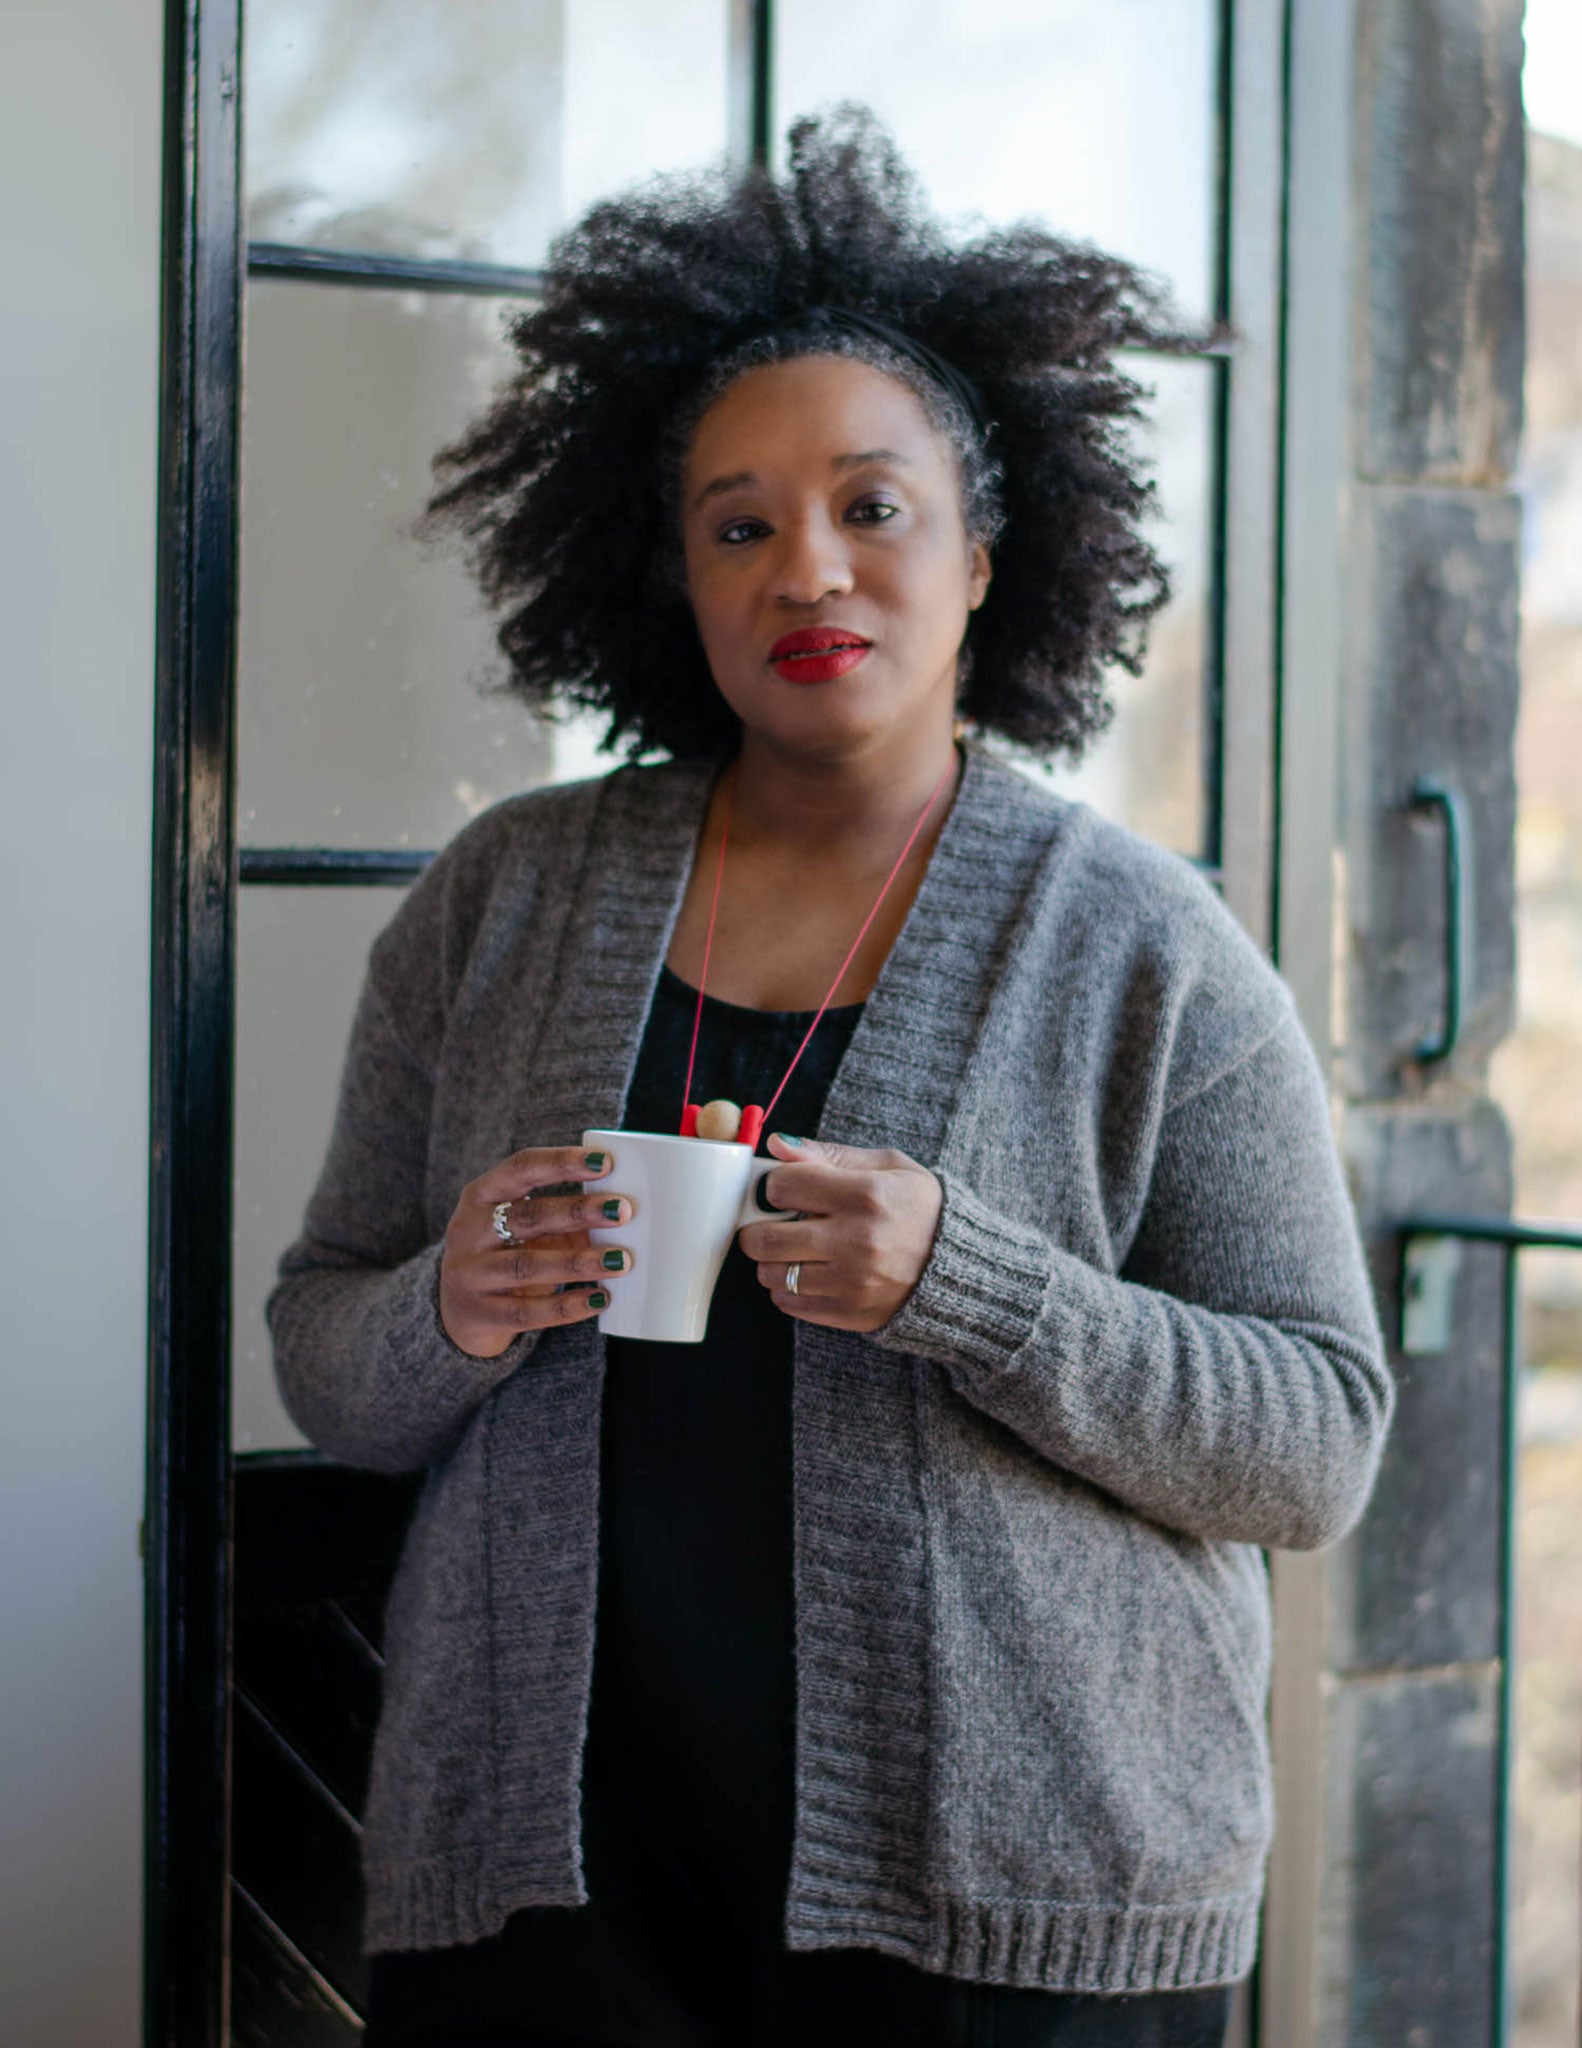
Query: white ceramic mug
x,y
691,1196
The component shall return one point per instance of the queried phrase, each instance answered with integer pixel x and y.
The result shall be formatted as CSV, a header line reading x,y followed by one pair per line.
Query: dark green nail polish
x,y
614,1262
598,1301
612,1209
786,1138
594,1161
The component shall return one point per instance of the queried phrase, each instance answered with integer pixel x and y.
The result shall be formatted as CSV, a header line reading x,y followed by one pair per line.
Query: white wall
x,y
80,111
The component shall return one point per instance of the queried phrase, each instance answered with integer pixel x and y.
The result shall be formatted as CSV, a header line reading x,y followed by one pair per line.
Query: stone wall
x,y
1410,1860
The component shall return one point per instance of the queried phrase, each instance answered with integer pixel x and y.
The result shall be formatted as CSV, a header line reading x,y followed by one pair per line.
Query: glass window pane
x,y
1147,770
1098,120
469,128
300,959
364,662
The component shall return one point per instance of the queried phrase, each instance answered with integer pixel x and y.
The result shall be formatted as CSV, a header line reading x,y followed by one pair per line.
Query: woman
x,y
892,1665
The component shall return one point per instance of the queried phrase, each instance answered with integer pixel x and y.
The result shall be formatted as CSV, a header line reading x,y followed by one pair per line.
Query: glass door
x,y
406,164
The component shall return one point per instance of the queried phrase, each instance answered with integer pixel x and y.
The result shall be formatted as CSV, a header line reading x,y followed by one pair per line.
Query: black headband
x,y
843,321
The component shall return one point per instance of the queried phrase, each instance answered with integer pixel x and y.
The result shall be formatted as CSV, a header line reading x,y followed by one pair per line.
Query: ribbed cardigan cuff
x,y
433,1384
981,1291
396,1389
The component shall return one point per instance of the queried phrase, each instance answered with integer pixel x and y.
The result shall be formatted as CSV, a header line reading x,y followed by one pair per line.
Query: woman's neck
x,y
810,849
819,808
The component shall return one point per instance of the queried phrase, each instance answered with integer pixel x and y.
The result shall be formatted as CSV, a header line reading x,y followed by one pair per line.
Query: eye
x,y
739,531
873,511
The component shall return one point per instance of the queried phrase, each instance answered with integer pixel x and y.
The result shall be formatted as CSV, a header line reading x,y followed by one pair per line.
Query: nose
x,y
811,563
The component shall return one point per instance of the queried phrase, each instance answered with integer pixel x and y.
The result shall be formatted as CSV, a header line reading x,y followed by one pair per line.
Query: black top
x,y
687,1778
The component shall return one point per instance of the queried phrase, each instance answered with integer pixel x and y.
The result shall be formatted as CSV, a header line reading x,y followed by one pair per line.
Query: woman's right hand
x,y
490,1291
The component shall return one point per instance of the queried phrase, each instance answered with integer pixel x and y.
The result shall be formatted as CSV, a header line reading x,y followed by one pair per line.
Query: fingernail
x,y
612,1209
594,1161
614,1262
786,1138
597,1300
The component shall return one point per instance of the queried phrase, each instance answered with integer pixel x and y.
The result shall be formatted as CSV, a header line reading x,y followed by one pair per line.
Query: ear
x,y
980,572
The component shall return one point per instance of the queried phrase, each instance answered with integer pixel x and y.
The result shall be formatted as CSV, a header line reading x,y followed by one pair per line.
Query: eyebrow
x,y
718,486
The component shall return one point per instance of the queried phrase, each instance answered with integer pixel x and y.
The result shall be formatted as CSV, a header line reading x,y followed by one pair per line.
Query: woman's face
x,y
821,508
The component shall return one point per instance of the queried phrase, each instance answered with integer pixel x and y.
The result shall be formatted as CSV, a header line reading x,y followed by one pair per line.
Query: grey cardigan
x,y
1032,1613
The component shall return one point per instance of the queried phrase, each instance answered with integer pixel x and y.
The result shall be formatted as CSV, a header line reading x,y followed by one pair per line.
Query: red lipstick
x,y
817,654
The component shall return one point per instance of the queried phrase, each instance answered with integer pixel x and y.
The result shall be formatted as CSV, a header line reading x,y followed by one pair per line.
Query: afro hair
x,y
564,493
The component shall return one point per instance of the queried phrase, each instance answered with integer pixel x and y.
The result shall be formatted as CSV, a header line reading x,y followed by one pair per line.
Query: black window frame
x,y
197,869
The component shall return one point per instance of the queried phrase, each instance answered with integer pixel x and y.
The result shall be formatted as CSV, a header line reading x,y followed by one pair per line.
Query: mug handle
x,y
750,1211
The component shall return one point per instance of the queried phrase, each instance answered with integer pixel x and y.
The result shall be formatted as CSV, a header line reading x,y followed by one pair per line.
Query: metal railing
x,y
1430,1258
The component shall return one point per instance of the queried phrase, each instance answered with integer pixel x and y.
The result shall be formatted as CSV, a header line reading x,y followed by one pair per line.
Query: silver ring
x,y
500,1216
793,1275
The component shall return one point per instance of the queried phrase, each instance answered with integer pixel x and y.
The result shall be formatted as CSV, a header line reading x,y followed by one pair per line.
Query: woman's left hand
x,y
861,1240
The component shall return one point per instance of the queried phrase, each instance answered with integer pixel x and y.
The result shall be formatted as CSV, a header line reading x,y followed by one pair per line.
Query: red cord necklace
x,y
754,1118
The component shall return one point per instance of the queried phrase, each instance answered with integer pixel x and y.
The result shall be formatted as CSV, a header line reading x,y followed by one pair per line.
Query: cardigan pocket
x,y
1099,1735
1225,1589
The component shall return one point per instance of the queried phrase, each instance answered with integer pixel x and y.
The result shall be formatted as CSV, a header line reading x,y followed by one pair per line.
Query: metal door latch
x,y
1429,1266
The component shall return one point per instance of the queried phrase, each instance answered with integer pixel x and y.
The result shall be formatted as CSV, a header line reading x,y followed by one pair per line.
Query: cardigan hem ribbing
x,y
1046,1945
1034,1944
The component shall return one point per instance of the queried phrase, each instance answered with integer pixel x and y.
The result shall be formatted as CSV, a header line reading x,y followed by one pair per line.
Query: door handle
x,y
1428,793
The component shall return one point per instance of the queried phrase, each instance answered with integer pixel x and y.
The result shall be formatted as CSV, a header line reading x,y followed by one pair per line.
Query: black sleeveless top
x,y
687,1777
